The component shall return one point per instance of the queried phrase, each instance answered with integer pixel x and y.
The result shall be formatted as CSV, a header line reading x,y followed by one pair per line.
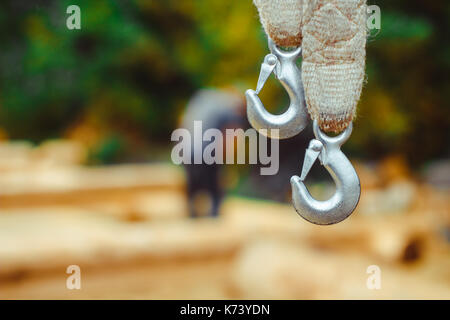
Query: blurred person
x,y
223,109
291,155
216,109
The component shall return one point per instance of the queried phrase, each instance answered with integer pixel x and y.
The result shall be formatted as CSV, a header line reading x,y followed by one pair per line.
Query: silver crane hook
x,y
295,119
348,188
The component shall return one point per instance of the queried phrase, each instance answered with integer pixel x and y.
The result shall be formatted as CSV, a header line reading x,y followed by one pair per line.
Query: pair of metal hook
x,y
324,148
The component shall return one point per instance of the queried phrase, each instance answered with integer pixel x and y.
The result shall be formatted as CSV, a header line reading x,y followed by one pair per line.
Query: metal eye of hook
x,y
295,118
348,188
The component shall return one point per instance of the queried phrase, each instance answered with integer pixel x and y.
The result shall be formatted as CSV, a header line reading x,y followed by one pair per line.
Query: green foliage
x,y
109,150
404,105
399,26
135,63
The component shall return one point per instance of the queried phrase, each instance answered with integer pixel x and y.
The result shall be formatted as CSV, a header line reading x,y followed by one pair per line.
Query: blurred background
x,y
86,176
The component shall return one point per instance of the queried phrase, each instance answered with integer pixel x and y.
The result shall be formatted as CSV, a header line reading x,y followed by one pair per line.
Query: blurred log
x,y
77,185
14,156
255,250
395,238
273,269
54,153
44,239
125,227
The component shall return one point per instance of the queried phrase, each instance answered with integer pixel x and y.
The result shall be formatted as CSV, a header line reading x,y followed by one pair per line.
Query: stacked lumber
x,y
126,227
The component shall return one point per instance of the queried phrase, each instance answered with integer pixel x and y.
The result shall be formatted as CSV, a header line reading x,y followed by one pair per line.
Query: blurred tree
x,y
131,68
404,108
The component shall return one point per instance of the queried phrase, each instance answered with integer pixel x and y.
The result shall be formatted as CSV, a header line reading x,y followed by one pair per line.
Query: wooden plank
x,y
75,185
255,250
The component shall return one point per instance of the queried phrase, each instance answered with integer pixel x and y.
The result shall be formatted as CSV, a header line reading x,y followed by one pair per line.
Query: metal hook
x,y
348,188
295,119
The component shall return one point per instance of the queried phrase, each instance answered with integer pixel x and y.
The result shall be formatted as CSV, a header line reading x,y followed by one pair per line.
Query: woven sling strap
x,y
332,34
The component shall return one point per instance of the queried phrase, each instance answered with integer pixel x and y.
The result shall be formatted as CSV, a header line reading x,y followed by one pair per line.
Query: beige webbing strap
x,y
282,20
332,34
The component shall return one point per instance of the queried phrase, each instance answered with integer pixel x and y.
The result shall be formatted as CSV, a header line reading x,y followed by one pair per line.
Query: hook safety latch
x,y
267,67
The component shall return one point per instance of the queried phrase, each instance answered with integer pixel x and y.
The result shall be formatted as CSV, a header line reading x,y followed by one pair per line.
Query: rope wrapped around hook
x,y
332,34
